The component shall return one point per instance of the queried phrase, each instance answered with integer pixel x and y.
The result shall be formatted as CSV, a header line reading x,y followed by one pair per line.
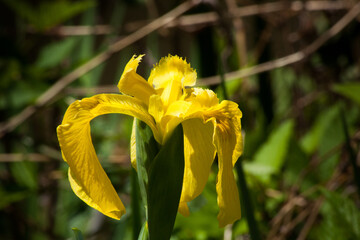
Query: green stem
x,y
246,200
135,204
351,152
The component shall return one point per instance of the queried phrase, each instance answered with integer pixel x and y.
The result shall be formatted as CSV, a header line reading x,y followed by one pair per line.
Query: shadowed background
x,y
292,66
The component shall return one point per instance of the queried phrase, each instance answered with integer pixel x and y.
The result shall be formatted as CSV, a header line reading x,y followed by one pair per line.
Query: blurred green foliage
x,y
295,153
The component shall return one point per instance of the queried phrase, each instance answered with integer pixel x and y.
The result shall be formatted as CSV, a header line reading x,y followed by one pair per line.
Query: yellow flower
x,y
162,102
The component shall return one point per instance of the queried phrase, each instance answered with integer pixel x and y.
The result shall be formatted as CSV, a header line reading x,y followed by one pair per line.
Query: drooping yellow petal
x,y
133,84
184,209
199,153
88,179
228,195
228,144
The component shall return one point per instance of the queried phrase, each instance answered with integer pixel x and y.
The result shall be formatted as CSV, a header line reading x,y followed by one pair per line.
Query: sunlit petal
x,y
133,84
88,179
228,144
133,145
169,69
228,195
199,153
170,76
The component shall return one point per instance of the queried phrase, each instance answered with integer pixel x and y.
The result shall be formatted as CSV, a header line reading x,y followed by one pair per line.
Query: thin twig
x,y
211,18
267,66
292,58
94,62
204,19
240,39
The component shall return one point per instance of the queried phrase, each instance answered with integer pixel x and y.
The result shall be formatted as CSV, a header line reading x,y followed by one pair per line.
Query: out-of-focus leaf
x,y
11,197
164,186
52,54
24,173
311,140
271,156
20,95
77,234
297,160
341,218
198,226
350,90
48,13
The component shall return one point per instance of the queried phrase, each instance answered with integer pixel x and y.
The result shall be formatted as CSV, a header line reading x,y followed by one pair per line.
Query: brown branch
x,y
55,89
267,66
240,39
292,58
81,30
211,18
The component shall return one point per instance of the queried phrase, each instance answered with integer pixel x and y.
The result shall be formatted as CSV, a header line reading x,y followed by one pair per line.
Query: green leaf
x,y
165,185
77,234
271,156
350,90
311,140
135,204
341,217
146,150
8,198
144,233
25,173
53,54
48,14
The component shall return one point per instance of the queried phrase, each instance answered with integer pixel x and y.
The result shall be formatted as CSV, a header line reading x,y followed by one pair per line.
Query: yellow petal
x,y
184,209
170,76
226,141
204,98
88,179
172,68
133,84
133,145
156,107
228,195
110,204
199,153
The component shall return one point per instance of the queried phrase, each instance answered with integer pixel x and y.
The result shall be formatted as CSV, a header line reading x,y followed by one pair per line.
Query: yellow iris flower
x,y
162,102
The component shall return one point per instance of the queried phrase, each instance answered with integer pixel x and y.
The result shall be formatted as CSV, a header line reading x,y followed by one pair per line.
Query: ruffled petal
x,y
88,179
172,68
170,76
199,153
133,84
